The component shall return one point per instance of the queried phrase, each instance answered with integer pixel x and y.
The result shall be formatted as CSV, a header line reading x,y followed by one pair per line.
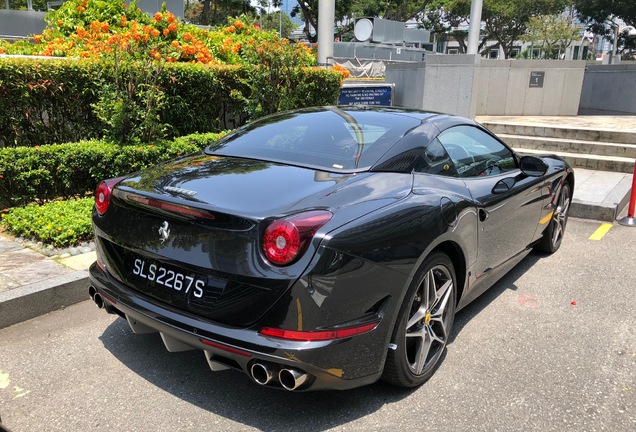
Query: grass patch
x,y
59,223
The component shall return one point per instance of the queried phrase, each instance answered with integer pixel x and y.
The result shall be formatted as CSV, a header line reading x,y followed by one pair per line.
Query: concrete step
x,y
593,162
600,195
551,145
563,132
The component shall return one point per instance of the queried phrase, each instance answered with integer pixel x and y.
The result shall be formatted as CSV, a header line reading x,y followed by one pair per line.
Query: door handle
x,y
483,215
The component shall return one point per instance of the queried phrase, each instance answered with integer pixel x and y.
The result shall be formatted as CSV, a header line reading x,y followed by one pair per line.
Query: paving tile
x,y
8,245
21,257
79,262
36,271
7,283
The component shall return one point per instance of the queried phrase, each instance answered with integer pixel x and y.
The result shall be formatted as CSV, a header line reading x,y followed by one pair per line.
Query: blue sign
x,y
366,95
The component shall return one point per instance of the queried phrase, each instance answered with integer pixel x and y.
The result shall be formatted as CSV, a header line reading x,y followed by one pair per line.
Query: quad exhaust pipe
x,y
100,303
262,373
290,379
96,297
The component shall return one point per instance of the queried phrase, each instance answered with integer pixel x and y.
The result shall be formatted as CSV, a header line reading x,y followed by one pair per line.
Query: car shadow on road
x,y
231,394
507,282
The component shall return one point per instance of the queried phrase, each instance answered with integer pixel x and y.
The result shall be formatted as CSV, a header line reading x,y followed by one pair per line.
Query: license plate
x,y
156,274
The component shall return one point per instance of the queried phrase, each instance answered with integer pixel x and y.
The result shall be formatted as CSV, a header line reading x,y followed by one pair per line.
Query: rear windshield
x,y
332,139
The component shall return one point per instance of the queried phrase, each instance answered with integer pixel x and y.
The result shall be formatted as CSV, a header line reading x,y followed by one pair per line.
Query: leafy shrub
x,y
131,91
47,101
66,170
60,223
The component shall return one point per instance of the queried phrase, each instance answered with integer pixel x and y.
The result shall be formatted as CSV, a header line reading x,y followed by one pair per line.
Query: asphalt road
x,y
551,347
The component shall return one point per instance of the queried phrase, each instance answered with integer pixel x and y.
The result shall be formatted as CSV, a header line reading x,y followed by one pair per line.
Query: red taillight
x,y
174,208
226,348
321,335
286,239
103,192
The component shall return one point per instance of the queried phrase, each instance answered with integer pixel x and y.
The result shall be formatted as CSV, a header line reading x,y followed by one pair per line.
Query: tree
x,y
444,17
215,12
552,33
505,20
278,21
596,12
399,10
308,11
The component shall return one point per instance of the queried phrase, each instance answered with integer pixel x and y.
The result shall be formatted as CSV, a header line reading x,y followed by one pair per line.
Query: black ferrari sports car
x,y
324,248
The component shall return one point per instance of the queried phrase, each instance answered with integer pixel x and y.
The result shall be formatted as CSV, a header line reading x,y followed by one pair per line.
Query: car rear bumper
x,y
334,364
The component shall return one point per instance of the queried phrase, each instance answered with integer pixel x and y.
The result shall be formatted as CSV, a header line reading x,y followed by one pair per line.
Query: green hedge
x,y
50,101
37,174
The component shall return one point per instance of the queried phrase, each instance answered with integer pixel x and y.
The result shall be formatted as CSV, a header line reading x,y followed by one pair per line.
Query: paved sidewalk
x,y
32,284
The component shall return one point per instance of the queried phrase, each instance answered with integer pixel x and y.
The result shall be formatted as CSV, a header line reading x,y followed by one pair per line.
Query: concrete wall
x,y
442,83
18,24
468,85
503,87
609,89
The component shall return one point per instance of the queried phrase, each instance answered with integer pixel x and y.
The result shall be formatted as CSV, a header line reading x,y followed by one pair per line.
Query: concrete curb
x,y
23,303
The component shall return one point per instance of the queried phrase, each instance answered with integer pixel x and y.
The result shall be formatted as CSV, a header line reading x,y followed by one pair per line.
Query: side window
x,y
435,160
475,153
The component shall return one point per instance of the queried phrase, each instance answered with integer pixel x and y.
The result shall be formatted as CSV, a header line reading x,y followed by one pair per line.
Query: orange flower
x,y
80,9
158,17
166,32
230,29
174,43
170,17
59,23
104,27
154,32
172,27
238,24
37,38
187,37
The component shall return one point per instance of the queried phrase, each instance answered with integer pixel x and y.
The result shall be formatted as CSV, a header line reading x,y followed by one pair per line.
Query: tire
x,y
553,234
423,326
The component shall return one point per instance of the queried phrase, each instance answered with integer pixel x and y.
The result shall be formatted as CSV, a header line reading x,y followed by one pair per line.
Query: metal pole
x,y
326,18
630,220
615,45
475,24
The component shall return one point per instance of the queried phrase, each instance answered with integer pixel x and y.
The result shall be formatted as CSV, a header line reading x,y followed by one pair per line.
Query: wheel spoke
x,y
422,353
442,296
429,287
417,316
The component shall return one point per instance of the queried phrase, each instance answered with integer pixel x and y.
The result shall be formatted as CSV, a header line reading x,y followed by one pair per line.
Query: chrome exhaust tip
x,y
262,373
99,301
291,379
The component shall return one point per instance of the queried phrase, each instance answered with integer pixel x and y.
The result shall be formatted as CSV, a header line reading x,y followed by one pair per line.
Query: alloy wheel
x,y
428,325
560,216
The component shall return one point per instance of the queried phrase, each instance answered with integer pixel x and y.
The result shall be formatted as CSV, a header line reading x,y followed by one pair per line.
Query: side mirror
x,y
532,166
503,185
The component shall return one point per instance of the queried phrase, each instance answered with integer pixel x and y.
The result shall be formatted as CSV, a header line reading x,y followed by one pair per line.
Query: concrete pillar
x,y
326,18
475,24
